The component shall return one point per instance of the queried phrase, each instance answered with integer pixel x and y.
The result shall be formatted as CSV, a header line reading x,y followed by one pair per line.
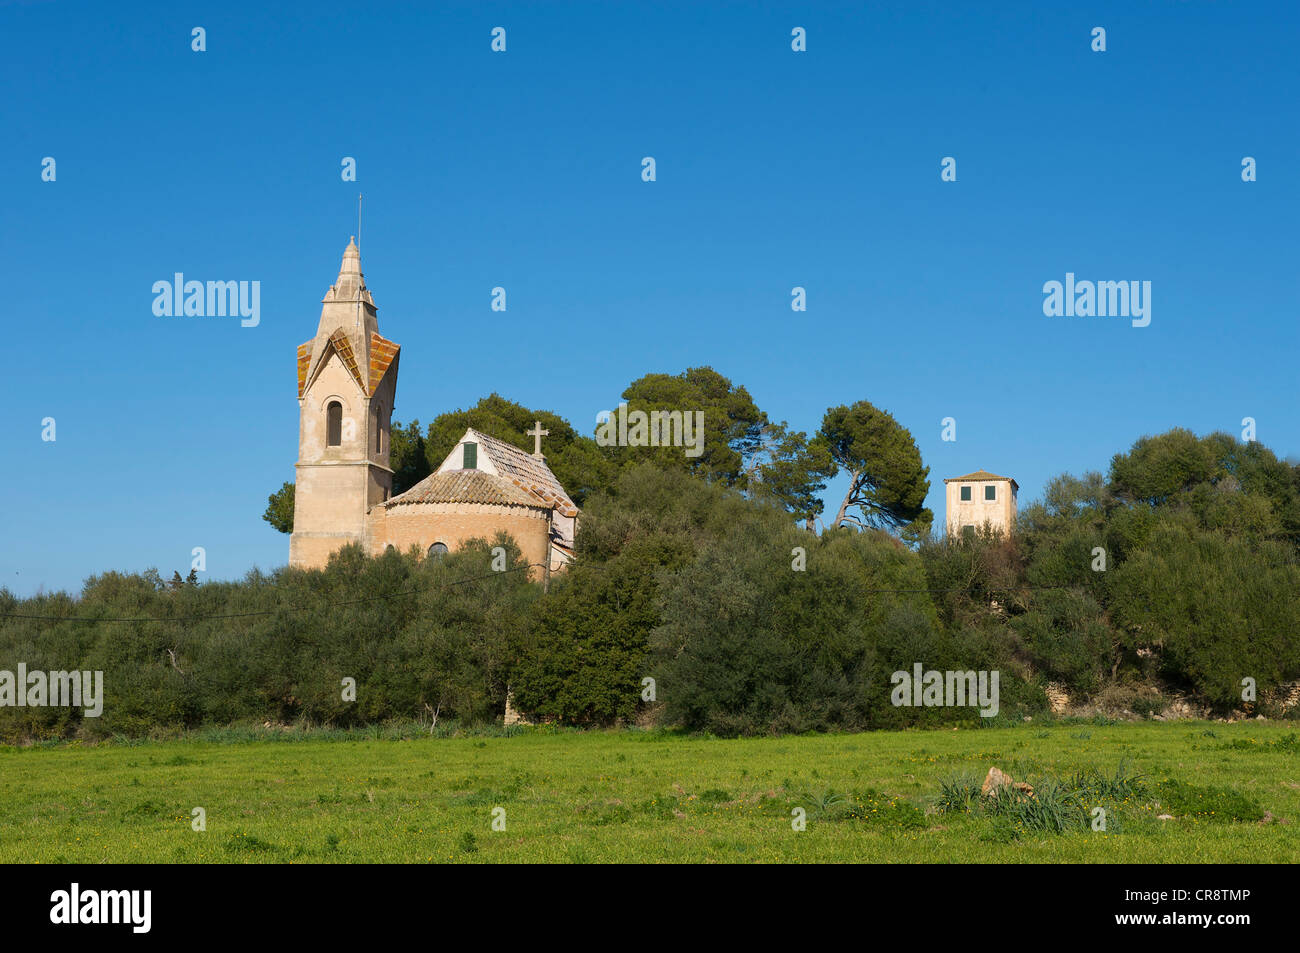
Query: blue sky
x,y
775,169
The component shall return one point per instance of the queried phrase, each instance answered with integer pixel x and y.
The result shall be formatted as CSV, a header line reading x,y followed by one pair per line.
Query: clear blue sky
x,y
522,169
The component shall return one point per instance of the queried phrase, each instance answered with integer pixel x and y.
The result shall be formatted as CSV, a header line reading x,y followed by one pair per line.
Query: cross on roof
x,y
537,433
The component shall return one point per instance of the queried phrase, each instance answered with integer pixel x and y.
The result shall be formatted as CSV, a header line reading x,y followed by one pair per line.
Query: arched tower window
x,y
334,424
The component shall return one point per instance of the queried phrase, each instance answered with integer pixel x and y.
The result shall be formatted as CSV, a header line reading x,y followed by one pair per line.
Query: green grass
x,y
910,797
1058,805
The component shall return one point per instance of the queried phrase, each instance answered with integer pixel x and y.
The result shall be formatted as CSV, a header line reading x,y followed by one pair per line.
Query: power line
x,y
458,582
864,562
984,588
245,615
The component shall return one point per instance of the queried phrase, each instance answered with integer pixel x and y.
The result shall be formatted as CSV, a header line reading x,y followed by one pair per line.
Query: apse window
x,y
334,424
437,550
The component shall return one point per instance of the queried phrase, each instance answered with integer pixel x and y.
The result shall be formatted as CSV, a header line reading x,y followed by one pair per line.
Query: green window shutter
x,y
965,493
471,456
990,492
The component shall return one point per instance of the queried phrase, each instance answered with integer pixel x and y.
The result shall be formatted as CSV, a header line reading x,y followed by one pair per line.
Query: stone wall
x,y
423,524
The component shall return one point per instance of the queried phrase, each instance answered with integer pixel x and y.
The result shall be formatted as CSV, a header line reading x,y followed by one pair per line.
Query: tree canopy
x,y
887,481
742,447
1177,573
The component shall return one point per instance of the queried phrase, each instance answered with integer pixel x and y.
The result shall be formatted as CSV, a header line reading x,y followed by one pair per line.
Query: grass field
x,y
1234,791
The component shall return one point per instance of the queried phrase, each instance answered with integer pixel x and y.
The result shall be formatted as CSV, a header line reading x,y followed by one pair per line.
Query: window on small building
x,y
965,494
437,549
471,456
334,424
991,492
968,532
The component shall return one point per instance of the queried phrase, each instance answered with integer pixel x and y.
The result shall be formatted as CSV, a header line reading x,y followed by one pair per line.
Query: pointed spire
x,y
351,259
349,327
351,284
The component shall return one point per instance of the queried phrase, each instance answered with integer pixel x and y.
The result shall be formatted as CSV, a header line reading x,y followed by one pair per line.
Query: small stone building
x,y
978,499
483,486
347,383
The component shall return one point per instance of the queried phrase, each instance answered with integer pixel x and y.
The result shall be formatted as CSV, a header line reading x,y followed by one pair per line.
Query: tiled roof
x,y
526,472
304,364
382,354
466,486
344,348
977,476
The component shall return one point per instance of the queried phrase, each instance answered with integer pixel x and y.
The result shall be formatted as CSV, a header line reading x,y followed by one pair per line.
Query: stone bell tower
x,y
347,379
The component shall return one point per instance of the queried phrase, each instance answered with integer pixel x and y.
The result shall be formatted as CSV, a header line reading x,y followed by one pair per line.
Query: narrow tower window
x,y
379,431
334,424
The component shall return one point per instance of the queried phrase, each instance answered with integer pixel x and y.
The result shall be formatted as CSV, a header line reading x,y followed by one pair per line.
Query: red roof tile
x,y
304,364
344,348
382,354
466,486
979,475
526,472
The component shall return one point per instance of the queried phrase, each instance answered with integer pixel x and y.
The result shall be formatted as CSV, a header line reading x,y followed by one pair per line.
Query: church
x,y
347,383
